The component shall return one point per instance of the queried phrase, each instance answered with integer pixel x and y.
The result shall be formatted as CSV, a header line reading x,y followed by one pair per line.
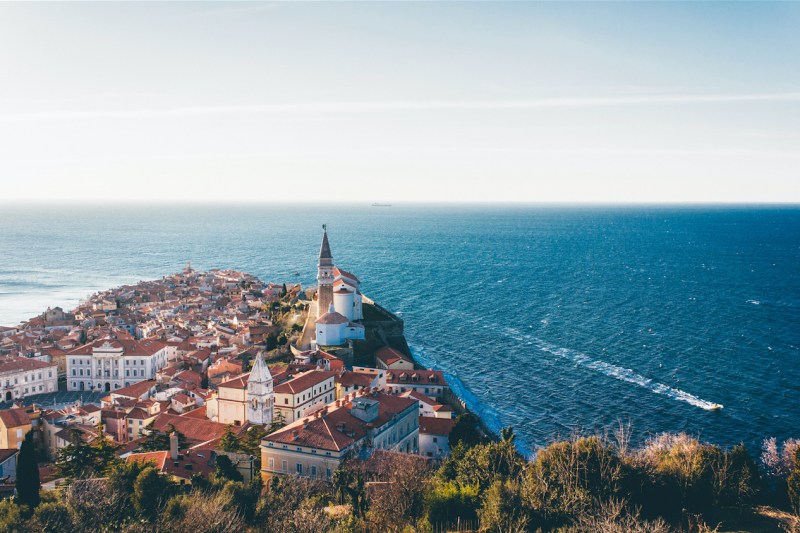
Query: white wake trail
x,y
616,372
628,375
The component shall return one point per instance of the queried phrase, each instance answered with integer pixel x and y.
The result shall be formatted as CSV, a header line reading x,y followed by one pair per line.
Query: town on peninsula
x,y
218,402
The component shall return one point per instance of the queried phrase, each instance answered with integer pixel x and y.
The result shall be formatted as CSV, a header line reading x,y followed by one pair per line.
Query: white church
x,y
339,301
247,398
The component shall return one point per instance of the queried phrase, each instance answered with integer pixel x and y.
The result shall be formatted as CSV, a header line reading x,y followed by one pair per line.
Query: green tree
x,y
28,484
465,431
51,517
272,342
250,440
225,469
121,479
447,503
11,518
158,441
149,490
229,442
81,459
503,509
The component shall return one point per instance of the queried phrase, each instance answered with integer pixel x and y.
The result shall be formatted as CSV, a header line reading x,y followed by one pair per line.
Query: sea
x,y
556,320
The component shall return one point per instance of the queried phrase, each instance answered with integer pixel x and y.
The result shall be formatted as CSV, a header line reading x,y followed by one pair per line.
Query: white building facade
x,y
109,364
21,377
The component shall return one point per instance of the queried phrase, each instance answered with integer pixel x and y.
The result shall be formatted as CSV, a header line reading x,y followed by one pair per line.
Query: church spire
x,y
260,372
260,396
325,275
325,256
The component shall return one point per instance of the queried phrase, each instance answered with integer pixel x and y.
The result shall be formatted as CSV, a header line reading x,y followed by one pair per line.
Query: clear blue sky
x,y
536,102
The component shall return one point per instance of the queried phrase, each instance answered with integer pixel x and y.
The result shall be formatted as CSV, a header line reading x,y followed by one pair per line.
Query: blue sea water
x,y
550,319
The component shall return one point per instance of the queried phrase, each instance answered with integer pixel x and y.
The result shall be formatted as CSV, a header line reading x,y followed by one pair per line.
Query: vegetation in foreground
x,y
585,484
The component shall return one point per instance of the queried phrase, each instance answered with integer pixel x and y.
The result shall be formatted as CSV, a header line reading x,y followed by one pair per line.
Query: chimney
x,y
173,446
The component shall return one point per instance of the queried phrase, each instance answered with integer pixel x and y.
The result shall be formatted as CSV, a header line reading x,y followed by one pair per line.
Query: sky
x,y
400,102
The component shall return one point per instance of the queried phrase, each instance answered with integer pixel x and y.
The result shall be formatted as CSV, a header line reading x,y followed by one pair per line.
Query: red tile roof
x,y
349,379
239,382
345,274
16,417
194,429
304,381
429,425
136,390
416,377
157,458
22,364
338,429
389,355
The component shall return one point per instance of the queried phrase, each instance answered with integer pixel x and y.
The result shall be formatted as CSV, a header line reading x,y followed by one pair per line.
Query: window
x,y
285,466
435,439
313,472
271,463
328,473
299,468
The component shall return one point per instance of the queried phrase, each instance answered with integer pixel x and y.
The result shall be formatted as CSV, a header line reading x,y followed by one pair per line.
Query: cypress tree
x,y
28,483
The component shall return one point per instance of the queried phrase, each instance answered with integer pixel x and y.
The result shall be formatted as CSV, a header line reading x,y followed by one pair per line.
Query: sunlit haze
x,y
405,102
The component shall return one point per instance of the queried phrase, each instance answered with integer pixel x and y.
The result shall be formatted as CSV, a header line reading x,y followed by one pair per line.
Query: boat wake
x,y
616,372
630,376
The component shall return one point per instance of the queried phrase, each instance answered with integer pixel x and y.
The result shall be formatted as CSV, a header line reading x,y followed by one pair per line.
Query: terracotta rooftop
x,y
135,390
337,428
304,381
16,417
17,364
194,429
389,355
429,425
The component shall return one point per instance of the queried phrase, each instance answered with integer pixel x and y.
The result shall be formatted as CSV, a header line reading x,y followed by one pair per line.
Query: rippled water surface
x,y
548,319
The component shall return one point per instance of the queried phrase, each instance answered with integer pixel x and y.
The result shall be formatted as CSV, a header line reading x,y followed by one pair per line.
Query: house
x,y
391,359
8,464
431,383
178,466
314,446
428,407
114,362
196,431
302,394
54,421
14,424
434,436
138,391
21,377
348,381
247,398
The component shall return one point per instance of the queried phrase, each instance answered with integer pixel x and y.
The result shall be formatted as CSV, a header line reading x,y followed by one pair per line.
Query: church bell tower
x,y
324,275
260,394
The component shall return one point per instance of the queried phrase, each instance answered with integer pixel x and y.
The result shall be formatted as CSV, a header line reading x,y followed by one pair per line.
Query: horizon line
x,y
407,203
